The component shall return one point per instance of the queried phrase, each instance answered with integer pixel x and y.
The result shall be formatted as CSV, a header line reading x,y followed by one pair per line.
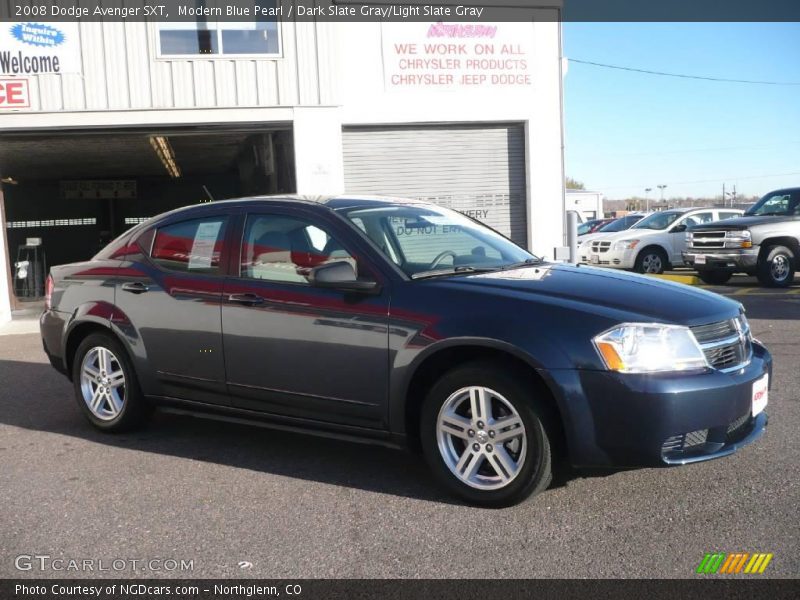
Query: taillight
x,y
48,292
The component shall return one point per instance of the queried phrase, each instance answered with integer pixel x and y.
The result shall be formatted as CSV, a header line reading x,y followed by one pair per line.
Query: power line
x,y
680,75
694,150
717,180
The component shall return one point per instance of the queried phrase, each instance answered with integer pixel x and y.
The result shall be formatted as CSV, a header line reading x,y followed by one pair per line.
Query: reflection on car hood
x,y
632,234
743,222
603,290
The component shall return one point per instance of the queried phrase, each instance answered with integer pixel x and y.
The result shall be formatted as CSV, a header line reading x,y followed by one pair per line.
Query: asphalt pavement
x,y
242,501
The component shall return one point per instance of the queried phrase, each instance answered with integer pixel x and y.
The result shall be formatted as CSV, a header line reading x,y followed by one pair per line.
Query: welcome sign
x,y
33,48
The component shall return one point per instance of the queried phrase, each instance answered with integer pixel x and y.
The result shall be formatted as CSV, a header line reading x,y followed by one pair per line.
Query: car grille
x,y
702,240
726,344
600,246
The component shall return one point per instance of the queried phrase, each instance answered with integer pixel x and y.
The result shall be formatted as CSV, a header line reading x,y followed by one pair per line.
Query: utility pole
x,y
661,187
724,196
647,198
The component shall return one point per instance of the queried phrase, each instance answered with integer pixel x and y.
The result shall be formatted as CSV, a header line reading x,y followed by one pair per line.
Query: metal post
x,y
572,236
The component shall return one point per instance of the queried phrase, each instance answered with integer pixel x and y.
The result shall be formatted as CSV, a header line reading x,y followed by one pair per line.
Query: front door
x,y
173,297
298,350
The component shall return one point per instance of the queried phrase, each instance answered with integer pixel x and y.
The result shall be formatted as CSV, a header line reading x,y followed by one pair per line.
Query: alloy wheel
x,y
779,268
481,438
651,263
103,383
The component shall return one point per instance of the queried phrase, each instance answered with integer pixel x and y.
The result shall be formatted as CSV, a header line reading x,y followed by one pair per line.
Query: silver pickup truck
x,y
765,242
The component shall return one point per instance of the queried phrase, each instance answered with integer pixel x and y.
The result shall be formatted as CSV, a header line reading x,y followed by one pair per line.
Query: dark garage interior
x,y
75,192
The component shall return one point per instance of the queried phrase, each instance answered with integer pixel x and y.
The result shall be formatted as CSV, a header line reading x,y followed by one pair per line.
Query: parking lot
x,y
245,501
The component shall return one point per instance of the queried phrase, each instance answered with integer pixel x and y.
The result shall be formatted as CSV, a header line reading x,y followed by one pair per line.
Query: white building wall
x,y
122,71
366,100
5,270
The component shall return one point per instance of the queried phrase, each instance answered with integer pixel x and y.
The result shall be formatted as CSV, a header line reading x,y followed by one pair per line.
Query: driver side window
x,y
285,249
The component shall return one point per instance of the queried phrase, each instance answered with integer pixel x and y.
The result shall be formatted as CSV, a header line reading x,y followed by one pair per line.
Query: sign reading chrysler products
x,y
458,56
33,48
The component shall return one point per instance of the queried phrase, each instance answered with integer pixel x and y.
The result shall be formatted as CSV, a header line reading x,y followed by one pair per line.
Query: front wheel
x,y
776,267
651,260
715,277
484,435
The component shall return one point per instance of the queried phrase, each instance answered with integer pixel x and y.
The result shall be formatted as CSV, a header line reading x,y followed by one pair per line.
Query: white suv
x,y
653,243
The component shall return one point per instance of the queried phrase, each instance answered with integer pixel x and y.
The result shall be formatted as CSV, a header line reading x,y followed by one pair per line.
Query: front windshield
x,y
585,228
616,225
659,220
429,240
780,204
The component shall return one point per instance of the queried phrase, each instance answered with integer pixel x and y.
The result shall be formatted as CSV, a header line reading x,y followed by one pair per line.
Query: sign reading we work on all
x,y
33,48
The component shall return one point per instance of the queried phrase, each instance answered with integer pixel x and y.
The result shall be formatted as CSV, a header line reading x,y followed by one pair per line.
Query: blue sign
x,y
38,34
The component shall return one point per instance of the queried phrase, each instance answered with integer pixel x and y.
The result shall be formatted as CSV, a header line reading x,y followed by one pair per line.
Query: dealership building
x,y
105,124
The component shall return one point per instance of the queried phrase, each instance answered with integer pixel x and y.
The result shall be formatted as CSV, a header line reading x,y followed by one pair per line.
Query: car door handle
x,y
249,299
135,287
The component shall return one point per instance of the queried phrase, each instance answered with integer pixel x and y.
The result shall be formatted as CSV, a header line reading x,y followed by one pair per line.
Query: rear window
x,y
192,246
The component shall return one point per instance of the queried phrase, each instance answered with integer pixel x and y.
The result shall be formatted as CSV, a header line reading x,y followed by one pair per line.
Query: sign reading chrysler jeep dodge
x,y
33,48
462,56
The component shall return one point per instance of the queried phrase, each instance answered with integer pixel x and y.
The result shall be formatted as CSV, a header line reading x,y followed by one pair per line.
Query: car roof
x,y
333,202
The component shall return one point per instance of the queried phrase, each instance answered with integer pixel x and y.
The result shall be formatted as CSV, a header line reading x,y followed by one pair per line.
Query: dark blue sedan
x,y
405,324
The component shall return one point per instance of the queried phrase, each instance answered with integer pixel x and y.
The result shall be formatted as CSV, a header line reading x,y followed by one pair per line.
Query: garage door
x,y
478,170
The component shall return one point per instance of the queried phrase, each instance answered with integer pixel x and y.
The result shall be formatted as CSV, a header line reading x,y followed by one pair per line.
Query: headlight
x,y
626,245
738,239
650,348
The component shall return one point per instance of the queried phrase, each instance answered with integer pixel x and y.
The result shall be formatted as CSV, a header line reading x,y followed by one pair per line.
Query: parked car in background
x,y
765,242
404,324
613,226
592,226
655,242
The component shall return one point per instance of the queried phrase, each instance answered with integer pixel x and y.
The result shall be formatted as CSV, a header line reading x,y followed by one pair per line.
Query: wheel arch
x,y
429,367
790,242
653,245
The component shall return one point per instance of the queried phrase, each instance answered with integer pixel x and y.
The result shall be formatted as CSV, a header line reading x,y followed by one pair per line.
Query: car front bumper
x,y
626,420
615,259
729,260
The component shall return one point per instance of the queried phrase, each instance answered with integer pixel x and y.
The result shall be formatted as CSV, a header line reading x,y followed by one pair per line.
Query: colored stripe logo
x,y
734,563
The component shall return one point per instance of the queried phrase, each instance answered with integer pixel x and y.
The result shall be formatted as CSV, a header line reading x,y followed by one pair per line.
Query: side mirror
x,y
678,228
340,275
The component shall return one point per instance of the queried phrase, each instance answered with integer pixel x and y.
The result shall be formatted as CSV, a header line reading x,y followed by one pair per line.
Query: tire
x,y
715,277
101,363
651,260
776,267
524,420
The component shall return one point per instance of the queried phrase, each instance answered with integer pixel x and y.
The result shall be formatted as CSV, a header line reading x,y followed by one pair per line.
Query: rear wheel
x,y
776,267
715,277
651,260
485,437
105,385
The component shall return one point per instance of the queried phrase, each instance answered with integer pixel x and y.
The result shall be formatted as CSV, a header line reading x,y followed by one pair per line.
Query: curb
x,y
684,279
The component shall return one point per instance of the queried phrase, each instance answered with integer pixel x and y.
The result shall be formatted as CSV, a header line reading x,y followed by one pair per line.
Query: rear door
x,y
298,350
171,296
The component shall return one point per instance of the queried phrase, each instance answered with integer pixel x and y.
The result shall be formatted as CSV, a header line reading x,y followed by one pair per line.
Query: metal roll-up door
x,y
475,169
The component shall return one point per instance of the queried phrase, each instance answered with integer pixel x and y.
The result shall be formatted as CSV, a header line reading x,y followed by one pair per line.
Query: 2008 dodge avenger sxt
x,y
402,323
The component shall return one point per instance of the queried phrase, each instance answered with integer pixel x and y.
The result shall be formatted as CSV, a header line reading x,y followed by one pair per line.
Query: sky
x,y
629,131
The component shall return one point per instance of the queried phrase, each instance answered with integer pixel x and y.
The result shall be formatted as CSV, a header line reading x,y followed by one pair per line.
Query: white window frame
x,y
156,29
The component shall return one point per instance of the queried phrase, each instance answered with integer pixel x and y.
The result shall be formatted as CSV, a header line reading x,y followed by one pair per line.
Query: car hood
x,y
619,295
592,236
742,223
631,234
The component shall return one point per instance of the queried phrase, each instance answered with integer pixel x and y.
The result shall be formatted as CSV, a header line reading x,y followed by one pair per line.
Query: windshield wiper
x,y
524,263
454,271
770,214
